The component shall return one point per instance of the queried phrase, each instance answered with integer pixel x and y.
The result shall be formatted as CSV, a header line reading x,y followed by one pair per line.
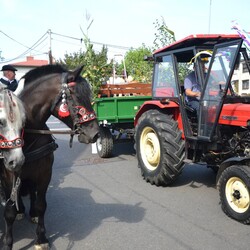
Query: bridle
x,y
9,144
68,107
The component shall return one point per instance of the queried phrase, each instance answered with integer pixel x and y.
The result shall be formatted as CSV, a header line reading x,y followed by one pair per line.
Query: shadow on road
x,y
80,214
124,148
196,176
73,214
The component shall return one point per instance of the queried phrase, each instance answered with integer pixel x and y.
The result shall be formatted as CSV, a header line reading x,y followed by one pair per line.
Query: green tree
x,y
96,66
163,35
136,66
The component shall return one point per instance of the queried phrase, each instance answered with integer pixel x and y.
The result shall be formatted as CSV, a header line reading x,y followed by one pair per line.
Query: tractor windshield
x,y
164,84
216,87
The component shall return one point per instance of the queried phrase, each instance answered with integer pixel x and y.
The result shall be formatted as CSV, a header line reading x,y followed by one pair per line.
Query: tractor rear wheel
x,y
104,143
234,189
159,147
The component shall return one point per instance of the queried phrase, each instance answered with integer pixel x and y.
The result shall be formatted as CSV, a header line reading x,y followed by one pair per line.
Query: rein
x,y
49,132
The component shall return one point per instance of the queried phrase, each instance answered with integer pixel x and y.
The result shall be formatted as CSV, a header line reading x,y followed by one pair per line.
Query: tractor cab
x,y
223,53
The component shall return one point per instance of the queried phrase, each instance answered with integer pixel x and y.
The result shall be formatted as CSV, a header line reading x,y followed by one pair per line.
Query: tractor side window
x,y
164,79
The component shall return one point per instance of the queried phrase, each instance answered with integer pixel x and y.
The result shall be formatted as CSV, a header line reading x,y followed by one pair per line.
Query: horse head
x,y
73,106
12,118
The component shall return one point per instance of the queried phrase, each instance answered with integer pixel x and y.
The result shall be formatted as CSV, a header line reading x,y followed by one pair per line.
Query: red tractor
x,y
168,133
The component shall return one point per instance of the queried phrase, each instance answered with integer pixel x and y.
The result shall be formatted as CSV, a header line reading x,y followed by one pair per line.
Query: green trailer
x,y
115,113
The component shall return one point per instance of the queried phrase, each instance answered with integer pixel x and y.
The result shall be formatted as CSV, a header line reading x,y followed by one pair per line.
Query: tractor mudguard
x,y
232,161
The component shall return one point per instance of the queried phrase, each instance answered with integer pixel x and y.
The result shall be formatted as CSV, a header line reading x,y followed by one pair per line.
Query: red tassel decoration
x,y
63,110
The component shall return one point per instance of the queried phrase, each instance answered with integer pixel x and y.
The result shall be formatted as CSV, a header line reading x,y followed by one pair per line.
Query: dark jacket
x,y
11,86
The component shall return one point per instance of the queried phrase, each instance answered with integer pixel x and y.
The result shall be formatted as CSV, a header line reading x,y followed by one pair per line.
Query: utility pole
x,y
209,19
50,51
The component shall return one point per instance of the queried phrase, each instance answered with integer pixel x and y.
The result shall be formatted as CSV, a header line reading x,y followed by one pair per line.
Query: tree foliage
x,y
136,66
163,35
96,66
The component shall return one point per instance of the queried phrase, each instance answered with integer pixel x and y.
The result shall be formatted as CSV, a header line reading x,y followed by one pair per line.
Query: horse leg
x,y
40,206
10,213
33,213
41,203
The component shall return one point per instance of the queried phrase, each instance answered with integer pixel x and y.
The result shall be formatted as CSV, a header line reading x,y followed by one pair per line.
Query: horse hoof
x,y
44,246
20,216
34,220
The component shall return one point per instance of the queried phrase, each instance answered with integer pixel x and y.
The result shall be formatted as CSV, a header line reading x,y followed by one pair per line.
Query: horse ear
x,y
75,74
78,71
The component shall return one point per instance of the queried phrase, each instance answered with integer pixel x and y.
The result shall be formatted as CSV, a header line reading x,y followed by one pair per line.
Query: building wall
x,y
243,77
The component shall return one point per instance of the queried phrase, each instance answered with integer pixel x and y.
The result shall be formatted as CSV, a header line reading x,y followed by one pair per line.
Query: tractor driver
x,y
193,88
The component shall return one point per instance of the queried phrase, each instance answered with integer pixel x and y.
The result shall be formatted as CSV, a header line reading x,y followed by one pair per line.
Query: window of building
x,y
244,68
245,84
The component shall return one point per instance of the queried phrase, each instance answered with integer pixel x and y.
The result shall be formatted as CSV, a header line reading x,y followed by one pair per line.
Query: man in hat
x,y
192,86
9,77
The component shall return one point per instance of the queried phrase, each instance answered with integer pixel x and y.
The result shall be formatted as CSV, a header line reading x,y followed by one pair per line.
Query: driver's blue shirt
x,y
190,82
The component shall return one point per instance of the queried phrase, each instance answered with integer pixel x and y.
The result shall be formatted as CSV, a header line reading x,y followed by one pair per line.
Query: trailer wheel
x,y
159,147
104,143
234,189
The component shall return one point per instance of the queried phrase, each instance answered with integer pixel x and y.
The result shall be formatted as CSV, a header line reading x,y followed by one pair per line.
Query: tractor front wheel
x,y
234,189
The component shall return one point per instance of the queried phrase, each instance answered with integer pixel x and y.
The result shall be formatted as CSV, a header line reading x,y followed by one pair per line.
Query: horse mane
x,y
83,90
43,70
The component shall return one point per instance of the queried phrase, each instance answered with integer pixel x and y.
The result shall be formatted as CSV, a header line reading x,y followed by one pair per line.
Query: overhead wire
x,y
97,43
13,39
43,38
32,48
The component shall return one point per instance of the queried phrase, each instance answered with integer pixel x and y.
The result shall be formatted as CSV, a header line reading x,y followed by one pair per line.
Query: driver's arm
x,y
191,93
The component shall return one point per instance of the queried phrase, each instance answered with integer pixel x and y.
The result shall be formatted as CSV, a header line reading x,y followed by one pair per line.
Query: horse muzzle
x,y
88,132
82,138
14,162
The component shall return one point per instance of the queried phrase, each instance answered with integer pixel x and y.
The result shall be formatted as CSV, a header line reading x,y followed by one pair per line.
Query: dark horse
x,y
49,90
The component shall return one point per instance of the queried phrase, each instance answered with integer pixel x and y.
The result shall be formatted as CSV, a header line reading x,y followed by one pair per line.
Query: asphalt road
x,y
104,204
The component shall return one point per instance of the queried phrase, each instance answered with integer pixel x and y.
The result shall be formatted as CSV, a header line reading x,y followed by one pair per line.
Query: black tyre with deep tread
x,y
159,147
104,144
234,189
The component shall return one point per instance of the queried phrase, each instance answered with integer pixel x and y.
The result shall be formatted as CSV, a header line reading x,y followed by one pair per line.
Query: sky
x,y
119,24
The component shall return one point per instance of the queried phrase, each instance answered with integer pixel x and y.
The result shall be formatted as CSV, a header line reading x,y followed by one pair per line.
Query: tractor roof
x,y
199,40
